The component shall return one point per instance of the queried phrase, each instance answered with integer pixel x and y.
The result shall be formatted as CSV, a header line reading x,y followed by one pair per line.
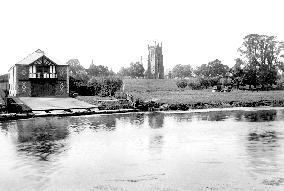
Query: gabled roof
x,y
36,55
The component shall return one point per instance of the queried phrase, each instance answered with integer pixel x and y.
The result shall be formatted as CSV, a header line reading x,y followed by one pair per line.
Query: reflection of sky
x,y
138,151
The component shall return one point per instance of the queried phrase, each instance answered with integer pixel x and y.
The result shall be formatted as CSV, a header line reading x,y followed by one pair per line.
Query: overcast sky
x,y
116,32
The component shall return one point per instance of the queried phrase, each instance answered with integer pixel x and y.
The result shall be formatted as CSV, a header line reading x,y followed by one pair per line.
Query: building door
x,y
43,88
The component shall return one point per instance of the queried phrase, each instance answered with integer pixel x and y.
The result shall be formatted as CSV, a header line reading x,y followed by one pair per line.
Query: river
x,y
170,151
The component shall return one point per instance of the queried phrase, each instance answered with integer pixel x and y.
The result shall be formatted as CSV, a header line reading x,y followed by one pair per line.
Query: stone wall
x,y
24,88
61,89
22,72
23,85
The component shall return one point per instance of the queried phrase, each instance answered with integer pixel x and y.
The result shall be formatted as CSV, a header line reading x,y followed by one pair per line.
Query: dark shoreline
x,y
154,106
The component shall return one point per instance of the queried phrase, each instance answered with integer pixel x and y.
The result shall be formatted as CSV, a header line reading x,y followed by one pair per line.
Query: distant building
x,y
155,61
38,75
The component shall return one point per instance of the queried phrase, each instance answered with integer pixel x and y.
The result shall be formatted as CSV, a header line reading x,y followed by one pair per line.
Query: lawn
x,y
166,91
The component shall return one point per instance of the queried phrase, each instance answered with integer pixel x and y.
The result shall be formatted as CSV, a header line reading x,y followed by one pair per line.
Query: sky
x,y
115,33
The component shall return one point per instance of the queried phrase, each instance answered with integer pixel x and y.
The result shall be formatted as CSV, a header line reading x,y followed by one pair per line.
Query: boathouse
x,y
39,75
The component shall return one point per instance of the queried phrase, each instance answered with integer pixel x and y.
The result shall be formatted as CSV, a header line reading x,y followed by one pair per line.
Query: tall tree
x,y
214,69
237,72
136,70
182,71
261,55
76,70
99,70
202,71
217,69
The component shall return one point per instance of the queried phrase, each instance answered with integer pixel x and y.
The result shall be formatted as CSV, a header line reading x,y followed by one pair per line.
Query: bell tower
x,y
155,61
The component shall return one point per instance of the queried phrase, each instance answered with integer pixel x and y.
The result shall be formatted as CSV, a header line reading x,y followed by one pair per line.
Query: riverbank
x,y
192,100
163,94
15,116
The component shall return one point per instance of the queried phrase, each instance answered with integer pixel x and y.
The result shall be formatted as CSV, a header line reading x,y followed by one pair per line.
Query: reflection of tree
x,y
156,120
238,115
263,148
213,116
258,116
40,136
102,122
217,116
156,143
183,117
137,118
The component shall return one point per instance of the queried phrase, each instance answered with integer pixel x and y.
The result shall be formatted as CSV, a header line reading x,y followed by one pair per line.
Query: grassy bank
x,y
166,92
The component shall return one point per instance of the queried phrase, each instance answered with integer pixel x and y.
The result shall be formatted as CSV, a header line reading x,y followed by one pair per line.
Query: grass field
x,y
166,91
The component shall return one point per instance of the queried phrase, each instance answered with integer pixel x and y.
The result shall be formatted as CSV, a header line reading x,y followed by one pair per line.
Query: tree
x,y
136,70
212,70
202,71
182,71
217,69
99,70
124,72
77,71
262,57
237,72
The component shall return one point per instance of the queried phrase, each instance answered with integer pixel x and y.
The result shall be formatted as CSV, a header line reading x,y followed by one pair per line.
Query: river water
x,y
211,150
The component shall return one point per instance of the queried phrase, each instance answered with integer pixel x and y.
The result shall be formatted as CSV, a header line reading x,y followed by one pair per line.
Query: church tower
x,y
155,61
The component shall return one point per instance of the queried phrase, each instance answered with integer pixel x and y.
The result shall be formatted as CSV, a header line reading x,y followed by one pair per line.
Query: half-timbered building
x,y
39,75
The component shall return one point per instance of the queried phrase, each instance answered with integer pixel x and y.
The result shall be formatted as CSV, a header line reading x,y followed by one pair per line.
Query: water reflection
x,y
248,116
137,119
78,153
156,120
260,116
263,149
40,137
102,122
213,116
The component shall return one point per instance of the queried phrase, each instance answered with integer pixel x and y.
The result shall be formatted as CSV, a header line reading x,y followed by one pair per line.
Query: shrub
x,y
194,84
181,83
280,84
103,86
204,82
109,85
94,86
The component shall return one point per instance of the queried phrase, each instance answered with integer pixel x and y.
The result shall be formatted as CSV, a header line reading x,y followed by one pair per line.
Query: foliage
x,y
103,86
280,83
76,70
194,83
212,69
262,58
237,73
98,71
135,70
182,71
124,72
202,71
204,82
109,85
181,83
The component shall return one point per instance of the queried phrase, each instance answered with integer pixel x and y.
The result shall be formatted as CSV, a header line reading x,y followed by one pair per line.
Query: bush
x,y
110,85
94,86
102,86
181,83
78,86
204,82
194,84
280,84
